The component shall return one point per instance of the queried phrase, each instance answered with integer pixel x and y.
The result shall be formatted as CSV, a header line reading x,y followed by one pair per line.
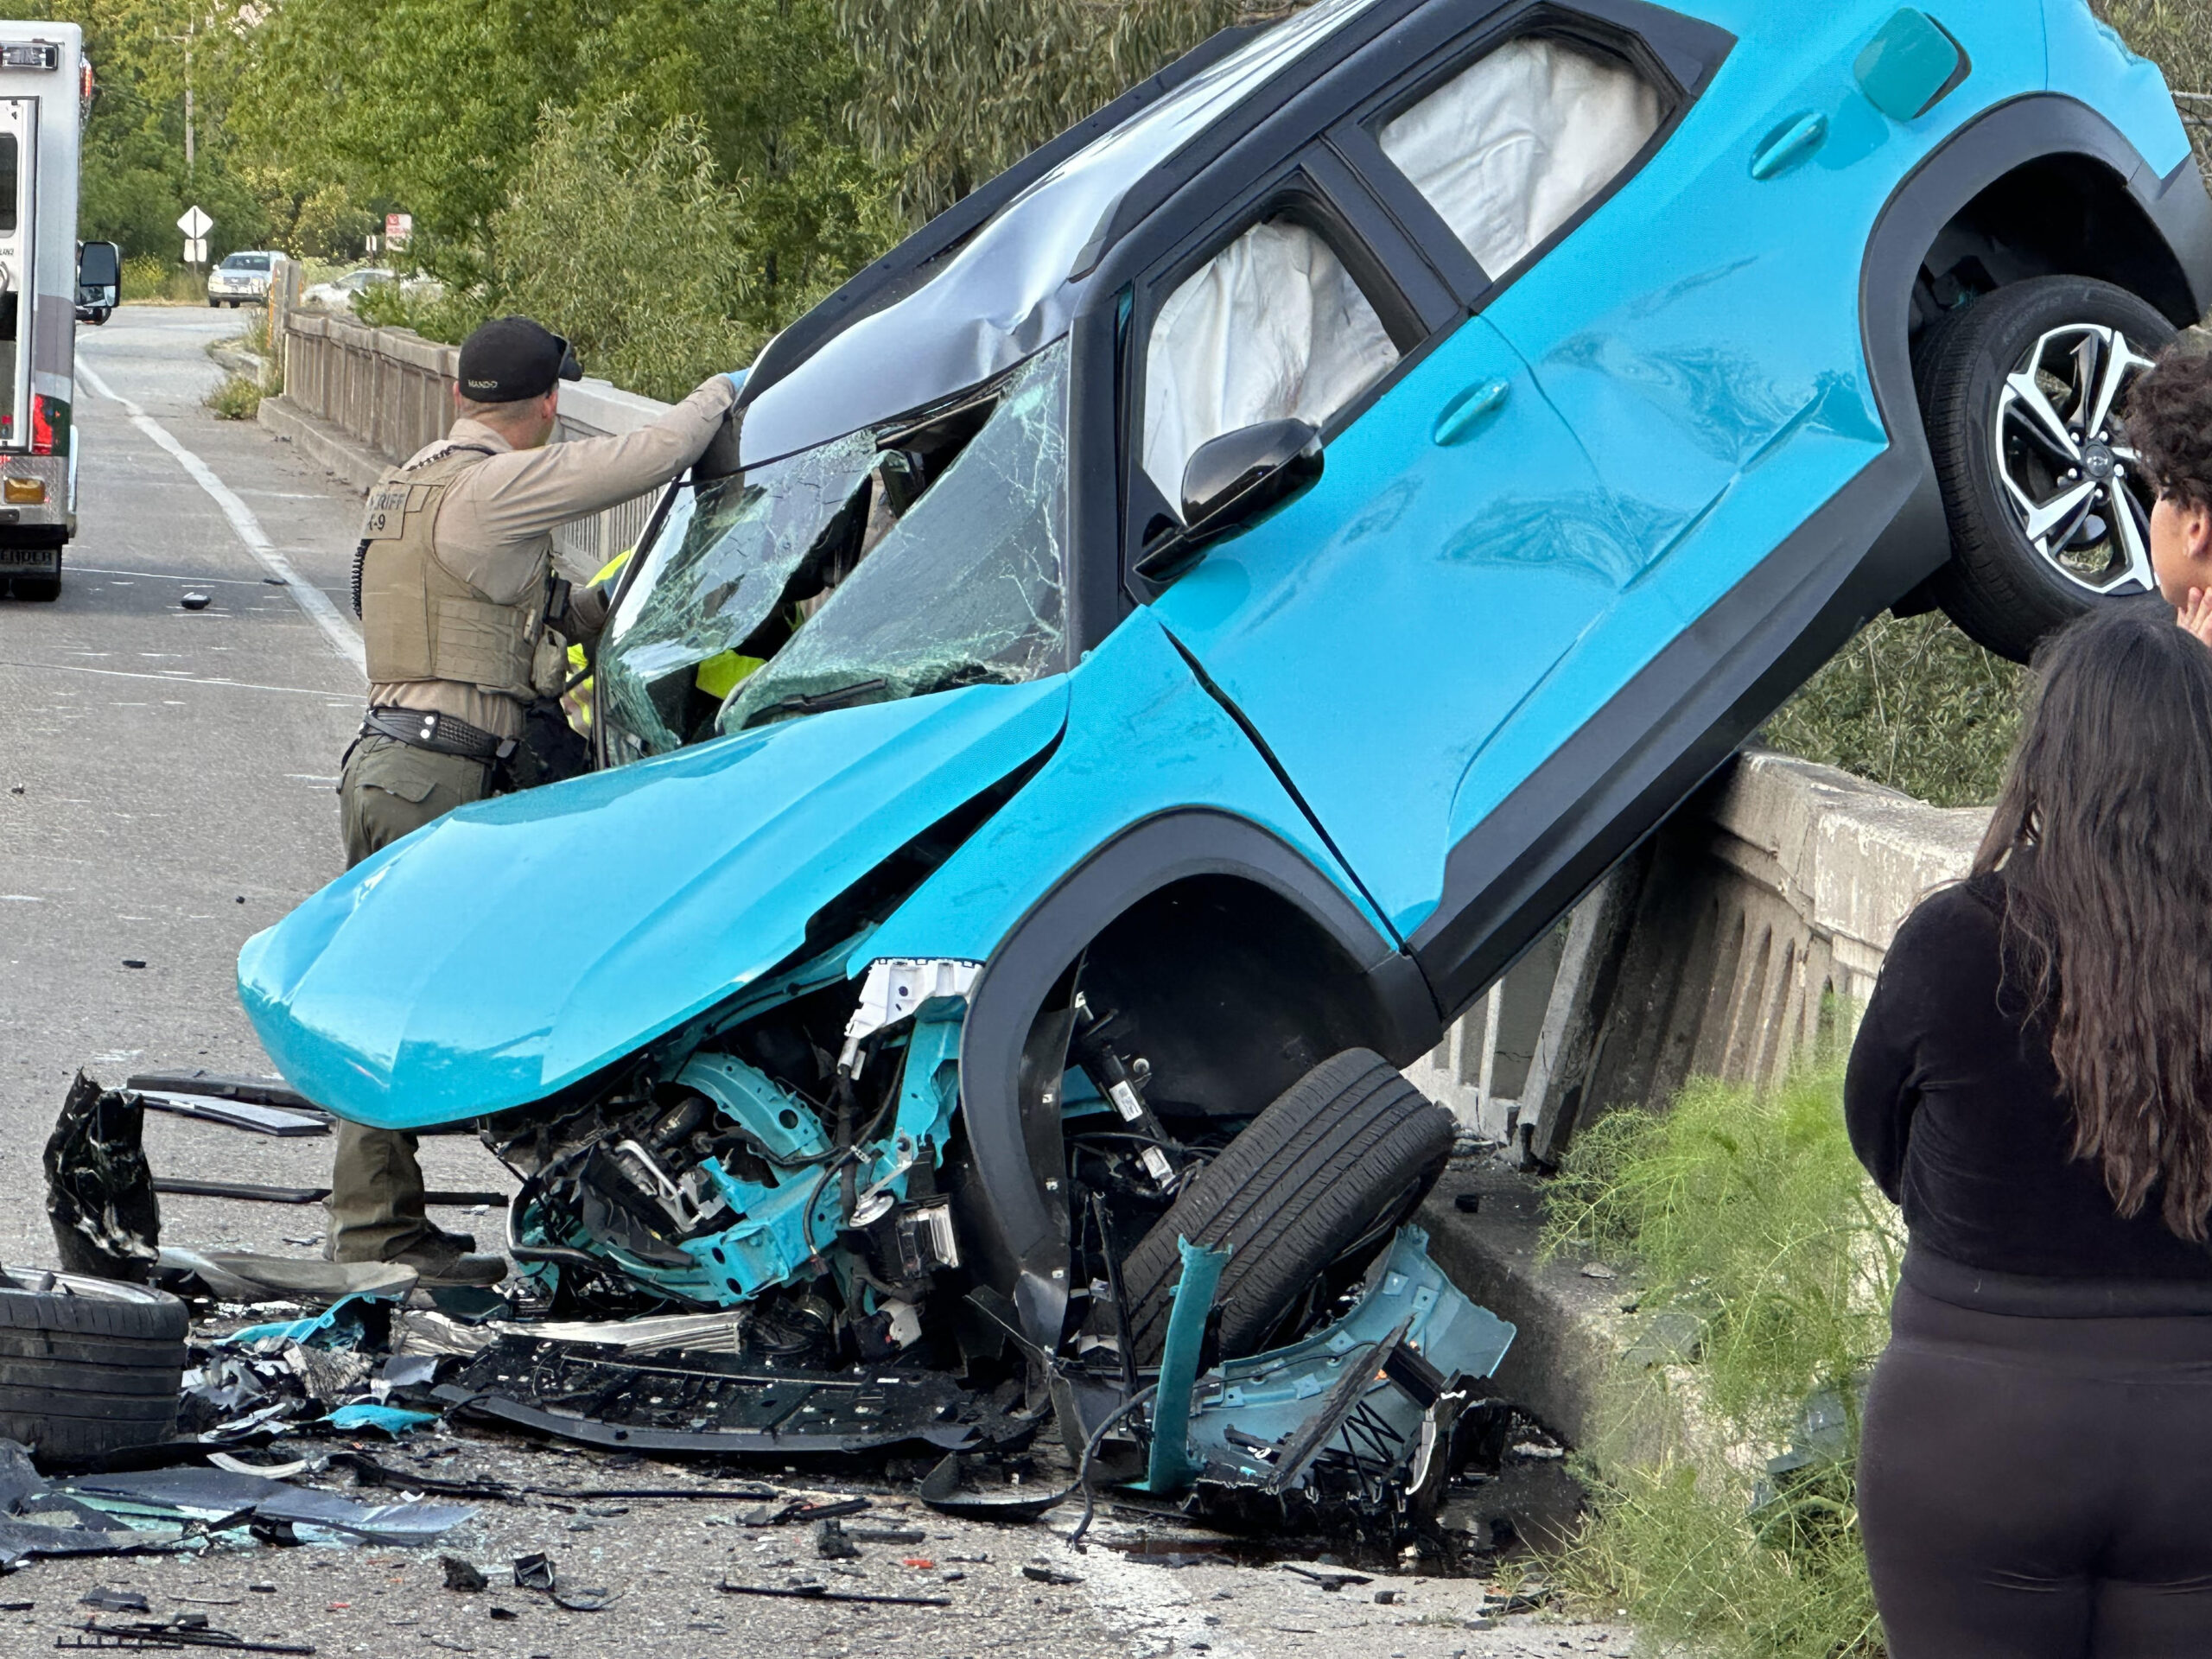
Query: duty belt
x,y
440,734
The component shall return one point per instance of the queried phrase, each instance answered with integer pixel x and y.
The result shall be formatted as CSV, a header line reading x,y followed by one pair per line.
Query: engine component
x,y
785,1129
895,989
1121,1082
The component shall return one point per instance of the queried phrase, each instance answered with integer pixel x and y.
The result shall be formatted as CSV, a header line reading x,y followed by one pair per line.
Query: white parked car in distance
x,y
339,293
242,278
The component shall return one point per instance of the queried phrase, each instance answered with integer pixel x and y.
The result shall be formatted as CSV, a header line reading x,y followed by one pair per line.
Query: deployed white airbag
x,y
1270,328
1508,150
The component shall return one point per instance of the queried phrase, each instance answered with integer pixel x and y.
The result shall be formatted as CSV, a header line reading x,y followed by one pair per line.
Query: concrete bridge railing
x,y
361,399
1747,930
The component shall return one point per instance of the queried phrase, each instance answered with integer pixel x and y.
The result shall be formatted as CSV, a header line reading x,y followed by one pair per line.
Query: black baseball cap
x,y
510,358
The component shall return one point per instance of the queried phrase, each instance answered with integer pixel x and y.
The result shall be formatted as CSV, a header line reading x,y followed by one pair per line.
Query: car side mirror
x,y
1231,480
99,280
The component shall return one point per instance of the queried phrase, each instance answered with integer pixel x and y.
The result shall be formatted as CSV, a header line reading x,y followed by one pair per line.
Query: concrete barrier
x,y
359,399
1746,931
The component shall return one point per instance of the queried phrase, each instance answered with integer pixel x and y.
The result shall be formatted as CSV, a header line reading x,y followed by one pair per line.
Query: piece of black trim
x,y
1682,715
1007,1204
703,1442
262,1092
237,1113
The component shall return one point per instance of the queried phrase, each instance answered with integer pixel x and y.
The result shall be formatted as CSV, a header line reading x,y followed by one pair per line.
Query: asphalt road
x,y
166,783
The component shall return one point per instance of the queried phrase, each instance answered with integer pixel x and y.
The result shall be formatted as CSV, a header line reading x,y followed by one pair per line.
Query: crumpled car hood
x,y
519,944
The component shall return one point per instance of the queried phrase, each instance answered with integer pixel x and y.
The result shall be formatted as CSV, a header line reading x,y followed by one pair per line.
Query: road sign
x,y
195,249
195,223
398,228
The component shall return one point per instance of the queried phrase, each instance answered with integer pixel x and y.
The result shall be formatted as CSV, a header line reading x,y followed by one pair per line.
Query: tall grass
x,y
1913,703
1766,1261
149,280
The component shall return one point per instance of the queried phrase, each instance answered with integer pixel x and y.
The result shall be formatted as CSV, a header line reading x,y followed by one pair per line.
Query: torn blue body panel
x,y
1255,1421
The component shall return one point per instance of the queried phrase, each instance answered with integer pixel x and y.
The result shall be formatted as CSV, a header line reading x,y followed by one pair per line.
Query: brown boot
x,y
443,1259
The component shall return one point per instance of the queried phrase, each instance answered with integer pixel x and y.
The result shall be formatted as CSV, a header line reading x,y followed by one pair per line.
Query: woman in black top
x,y
2033,1083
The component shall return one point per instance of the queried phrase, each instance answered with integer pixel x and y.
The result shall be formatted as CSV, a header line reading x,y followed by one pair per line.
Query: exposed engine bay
x,y
800,1155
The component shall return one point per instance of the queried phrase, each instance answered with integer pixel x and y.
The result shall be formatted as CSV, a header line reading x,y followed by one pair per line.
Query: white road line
x,y
165,679
167,576
344,638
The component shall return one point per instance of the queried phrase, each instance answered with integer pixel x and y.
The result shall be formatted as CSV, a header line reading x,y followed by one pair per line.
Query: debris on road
x,y
823,1592
462,1575
187,1630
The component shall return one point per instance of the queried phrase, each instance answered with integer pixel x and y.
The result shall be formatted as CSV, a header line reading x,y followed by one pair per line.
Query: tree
x,y
136,179
434,106
959,89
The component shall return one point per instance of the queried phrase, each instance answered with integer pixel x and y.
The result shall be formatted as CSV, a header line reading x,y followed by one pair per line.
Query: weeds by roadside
x,y
1766,1261
1913,703
238,398
148,280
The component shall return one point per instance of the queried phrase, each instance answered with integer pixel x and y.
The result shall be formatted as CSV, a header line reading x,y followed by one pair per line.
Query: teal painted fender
x,y
1143,738
2089,61
517,945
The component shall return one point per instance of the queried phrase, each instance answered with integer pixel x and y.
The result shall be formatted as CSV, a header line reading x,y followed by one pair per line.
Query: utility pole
x,y
185,40
191,169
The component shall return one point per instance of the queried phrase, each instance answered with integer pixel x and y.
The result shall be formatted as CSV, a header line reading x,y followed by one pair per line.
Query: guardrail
x,y
362,399
1748,931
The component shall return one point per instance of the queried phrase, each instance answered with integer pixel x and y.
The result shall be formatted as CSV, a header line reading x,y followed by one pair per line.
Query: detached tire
x,y
1996,462
1338,1159
87,1366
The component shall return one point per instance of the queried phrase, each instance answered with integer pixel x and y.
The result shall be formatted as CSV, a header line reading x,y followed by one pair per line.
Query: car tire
x,y
1333,1164
38,589
88,1367
2005,589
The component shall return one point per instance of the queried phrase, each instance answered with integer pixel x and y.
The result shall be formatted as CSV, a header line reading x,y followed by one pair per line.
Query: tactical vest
x,y
419,620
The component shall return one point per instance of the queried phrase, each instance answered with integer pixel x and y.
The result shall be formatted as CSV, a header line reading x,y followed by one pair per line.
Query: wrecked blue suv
x,y
1158,644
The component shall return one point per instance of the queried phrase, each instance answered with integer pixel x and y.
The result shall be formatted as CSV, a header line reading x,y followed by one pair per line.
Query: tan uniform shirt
x,y
494,529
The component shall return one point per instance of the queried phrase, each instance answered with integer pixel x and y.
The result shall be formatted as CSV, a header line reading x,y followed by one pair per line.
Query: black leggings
x,y
2040,1487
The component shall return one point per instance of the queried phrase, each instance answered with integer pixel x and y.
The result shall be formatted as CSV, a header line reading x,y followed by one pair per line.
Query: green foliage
x,y
134,178
1749,1221
238,398
638,253
435,107
149,279
959,89
1913,703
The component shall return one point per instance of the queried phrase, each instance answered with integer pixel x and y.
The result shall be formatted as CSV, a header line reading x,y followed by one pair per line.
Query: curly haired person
x,y
2168,418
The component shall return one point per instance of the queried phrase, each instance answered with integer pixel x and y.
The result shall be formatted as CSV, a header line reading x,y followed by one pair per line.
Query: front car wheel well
x,y
1232,992
2061,214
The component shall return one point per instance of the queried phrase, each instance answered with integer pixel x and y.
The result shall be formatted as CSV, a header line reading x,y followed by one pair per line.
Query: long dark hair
x,y
2110,919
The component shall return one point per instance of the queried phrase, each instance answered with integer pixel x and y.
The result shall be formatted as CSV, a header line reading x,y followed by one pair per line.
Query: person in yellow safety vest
x,y
716,677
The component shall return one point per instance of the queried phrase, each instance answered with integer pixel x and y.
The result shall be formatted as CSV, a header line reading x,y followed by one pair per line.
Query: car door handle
x,y
1788,145
1467,412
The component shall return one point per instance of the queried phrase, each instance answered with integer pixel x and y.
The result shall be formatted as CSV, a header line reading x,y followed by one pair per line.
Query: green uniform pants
x,y
387,790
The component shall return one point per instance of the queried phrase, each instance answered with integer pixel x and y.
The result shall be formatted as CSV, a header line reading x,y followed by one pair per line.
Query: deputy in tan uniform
x,y
457,591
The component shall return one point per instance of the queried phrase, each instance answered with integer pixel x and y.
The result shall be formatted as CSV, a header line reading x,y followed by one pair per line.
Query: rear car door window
x,y
1514,146
1271,328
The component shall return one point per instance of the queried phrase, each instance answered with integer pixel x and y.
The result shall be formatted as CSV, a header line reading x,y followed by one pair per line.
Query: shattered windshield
x,y
900,560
